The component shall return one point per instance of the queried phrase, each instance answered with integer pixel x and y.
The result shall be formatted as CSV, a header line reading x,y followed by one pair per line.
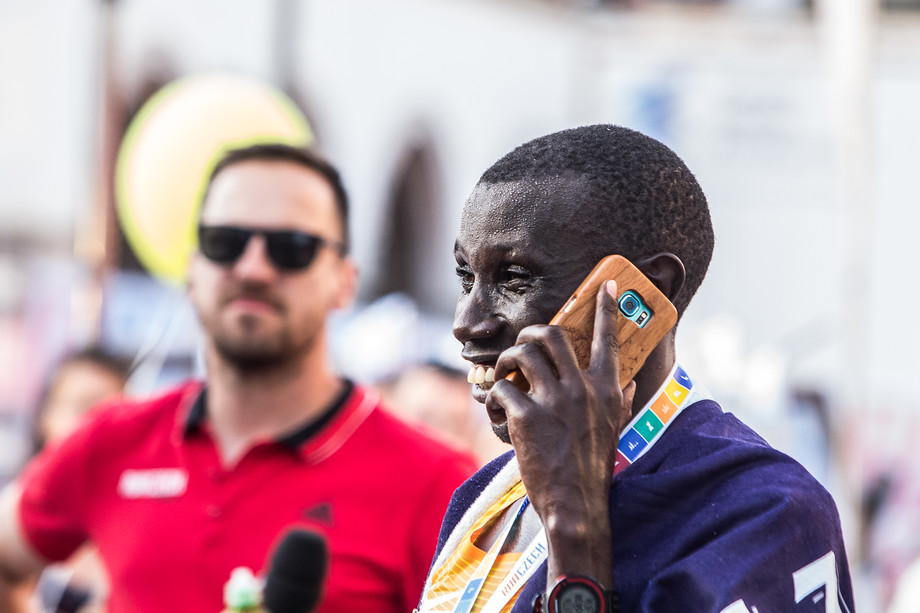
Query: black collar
x,y
293,439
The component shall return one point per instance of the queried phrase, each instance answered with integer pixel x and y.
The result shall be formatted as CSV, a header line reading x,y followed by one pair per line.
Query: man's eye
x,y
517,278
466,278
517,273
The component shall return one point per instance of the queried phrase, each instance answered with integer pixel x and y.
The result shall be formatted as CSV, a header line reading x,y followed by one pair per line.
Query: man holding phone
x,y
637,497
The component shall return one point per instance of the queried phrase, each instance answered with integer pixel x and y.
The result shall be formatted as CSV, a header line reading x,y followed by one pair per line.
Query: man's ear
x,y
349,284
666,271
190,266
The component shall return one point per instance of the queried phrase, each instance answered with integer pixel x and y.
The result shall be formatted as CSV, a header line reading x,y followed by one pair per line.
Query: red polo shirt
x,y
144,482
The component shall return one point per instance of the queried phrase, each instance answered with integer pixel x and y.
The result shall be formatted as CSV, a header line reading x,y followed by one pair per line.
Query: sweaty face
x,y
521,251
255,315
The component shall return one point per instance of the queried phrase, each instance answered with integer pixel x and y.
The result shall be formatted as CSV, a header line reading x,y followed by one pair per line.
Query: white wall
x,y
742,95
750,110
47,121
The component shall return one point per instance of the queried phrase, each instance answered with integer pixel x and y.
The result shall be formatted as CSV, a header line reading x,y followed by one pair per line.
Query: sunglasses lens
x,y
288,250
292,250
222,244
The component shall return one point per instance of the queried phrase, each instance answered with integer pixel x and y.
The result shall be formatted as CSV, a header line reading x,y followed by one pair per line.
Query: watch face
x,y
575,598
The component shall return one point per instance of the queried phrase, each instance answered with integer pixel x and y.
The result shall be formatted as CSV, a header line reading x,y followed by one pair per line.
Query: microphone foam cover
x,y
295,578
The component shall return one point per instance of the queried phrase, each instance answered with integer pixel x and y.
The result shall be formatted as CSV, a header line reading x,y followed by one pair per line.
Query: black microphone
x,y
295,577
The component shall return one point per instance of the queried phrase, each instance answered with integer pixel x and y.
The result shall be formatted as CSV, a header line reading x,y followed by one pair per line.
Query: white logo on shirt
x,y
153,483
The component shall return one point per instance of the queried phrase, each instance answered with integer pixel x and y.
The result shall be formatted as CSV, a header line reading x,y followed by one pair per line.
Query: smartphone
x,y
645,316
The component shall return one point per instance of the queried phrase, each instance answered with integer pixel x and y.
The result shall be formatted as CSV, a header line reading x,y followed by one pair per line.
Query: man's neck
x,y
654,372
246,407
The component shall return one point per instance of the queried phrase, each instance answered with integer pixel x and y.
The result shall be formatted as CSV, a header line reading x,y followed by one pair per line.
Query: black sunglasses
x,y
287,249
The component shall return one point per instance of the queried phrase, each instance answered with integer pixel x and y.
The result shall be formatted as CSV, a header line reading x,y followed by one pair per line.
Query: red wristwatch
x,y
577,594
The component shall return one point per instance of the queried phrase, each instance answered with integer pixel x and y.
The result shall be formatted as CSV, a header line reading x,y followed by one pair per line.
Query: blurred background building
x,y
798,118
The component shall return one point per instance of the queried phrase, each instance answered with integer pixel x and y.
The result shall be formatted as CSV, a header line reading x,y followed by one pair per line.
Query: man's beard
x,y
249,358
257,354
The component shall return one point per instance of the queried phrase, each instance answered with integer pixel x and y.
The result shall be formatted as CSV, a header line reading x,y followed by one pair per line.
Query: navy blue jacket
x,y
711,517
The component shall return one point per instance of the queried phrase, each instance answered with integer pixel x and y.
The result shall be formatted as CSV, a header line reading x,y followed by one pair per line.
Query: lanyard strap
x,y
534,555
676,393
468,599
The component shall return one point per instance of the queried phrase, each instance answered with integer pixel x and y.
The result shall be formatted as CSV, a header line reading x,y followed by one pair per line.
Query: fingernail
x,y
612,288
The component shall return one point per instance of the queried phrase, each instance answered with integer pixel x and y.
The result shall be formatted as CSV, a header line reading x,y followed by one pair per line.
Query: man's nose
x,y
475,318
254,263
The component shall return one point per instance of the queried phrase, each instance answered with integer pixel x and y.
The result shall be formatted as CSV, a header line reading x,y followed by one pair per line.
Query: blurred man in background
x,y
179,490
79,382
438,396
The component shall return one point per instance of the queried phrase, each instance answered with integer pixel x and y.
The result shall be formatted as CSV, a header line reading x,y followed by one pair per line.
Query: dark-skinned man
x,y
584,515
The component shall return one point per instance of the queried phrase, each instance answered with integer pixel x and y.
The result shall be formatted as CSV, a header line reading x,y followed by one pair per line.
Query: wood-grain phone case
x,y
577,316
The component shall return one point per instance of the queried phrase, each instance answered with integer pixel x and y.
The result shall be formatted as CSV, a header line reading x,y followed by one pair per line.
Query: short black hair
x,y
117,364
638,191
281,152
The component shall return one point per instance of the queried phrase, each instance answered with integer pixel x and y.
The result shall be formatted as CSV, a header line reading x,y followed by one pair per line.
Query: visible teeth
x,y
483,376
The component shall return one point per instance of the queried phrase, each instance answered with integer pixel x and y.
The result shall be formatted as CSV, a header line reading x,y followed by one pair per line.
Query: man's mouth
x,y
481,375
253,300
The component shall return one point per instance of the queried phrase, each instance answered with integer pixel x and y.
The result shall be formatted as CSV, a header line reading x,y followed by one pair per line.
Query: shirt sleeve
x,y
56,488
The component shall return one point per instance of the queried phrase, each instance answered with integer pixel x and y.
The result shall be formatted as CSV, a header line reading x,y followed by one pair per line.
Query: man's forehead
x,y
275,178
268,193
547,211
532,197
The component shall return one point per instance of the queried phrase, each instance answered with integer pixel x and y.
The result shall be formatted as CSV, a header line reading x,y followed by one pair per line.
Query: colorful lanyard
x,y
645,429
534,555
468,599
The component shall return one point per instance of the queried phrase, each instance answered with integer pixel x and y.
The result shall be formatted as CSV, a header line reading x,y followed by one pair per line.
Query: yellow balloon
x,y
170,148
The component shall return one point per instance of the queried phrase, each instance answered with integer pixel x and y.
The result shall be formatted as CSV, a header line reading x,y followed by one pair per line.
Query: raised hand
x,y
565,431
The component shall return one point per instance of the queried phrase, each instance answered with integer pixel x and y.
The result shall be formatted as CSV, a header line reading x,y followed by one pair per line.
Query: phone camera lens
x,y
629,305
